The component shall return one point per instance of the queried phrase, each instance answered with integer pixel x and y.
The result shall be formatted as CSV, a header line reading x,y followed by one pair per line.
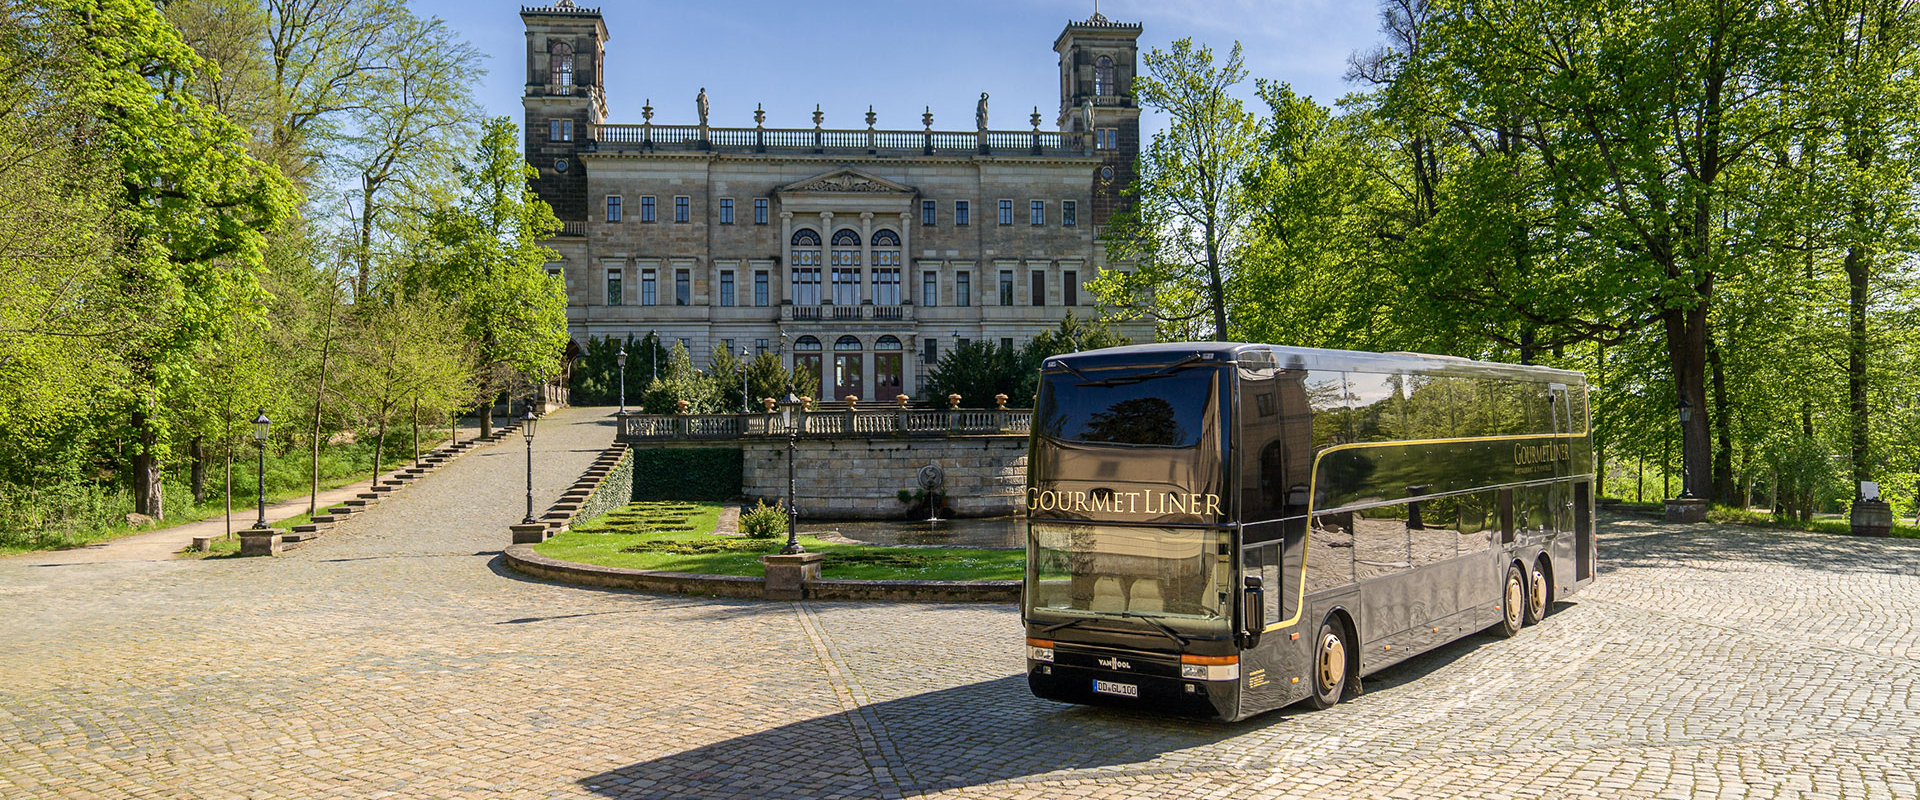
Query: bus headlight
x,y
1040,650
1210,668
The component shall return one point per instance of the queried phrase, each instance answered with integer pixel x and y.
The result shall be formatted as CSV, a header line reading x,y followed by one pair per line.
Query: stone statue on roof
x,y
980,112
700,104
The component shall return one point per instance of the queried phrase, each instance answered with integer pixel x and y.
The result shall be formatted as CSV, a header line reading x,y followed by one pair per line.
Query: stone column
x,y
826,255
909,275
784,255
866,256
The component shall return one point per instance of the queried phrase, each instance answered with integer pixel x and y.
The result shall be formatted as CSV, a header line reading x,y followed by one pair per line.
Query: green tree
x,y
194,205
484,249
1190,212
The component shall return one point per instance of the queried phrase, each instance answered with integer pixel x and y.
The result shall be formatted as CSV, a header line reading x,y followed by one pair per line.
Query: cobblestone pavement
x,y
394,659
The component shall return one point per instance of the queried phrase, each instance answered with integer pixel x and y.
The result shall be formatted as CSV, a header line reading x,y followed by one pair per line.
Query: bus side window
x,y
1429,409
1506,409
1330,552
1430,527
1379,406
1471,404
1258,446
1476,522
1380,542
1327,399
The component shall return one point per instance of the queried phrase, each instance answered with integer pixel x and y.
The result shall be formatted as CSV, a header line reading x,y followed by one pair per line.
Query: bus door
x,y
1560,495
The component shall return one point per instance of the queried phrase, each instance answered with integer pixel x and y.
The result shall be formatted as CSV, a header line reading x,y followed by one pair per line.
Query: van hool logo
x,y
1102,501
1114,663
1524,454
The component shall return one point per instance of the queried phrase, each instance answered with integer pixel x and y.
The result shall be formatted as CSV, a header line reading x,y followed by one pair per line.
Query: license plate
x,y
1116,689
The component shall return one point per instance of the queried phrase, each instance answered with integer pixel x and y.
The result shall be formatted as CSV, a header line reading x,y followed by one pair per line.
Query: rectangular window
x,y
726,345
646,209
886,286
1106,139
1006,287
560,130
682,209
927,212
648,295
760,211
1039,287
932,354
960,212
613,208
760,288
726,289
613,287
1069,215
1006,343
806,286
929,288
759,347
1070,288
1037,211
1006,212
963,288
682,287
846,286
726,211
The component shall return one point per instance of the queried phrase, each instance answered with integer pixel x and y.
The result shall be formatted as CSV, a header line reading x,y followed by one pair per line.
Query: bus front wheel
x,y
1329,665
1513,603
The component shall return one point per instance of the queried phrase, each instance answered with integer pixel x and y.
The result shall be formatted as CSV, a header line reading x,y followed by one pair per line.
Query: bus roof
x,y
1313,358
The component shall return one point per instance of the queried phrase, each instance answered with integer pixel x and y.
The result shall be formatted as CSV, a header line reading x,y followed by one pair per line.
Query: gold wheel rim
x,y
1333,662
1514,598
1538,602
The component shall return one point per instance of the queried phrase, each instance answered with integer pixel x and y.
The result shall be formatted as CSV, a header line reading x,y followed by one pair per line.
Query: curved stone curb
x,y
522,559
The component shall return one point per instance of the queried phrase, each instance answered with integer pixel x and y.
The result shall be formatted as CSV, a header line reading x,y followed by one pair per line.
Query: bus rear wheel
x,y
1329,665
1537,593
1513,603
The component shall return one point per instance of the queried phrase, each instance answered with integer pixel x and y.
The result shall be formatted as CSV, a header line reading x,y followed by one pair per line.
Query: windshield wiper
x,y
1159,373
1158,625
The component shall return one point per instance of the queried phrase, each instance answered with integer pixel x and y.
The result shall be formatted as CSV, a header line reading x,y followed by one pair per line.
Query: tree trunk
x,y
1723,484
379,447
145,468
1686,330
1217,285
1858,265
198,475
319,396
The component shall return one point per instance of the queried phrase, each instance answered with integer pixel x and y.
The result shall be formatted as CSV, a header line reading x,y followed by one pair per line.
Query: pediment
x,y
845,180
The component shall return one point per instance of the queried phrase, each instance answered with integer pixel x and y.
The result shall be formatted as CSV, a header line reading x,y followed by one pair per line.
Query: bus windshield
x,y
1171,576
1151,407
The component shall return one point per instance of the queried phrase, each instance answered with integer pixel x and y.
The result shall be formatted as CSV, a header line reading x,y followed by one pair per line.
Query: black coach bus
x,y
1222,529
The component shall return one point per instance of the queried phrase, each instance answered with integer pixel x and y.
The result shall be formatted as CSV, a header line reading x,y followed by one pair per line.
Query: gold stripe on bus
x,y
1313,493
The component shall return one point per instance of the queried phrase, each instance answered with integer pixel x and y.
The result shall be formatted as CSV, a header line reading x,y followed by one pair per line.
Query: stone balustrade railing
x,y
609,137
828,424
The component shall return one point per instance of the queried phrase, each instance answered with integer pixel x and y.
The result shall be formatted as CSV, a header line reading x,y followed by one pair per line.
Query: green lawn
x,y
677,537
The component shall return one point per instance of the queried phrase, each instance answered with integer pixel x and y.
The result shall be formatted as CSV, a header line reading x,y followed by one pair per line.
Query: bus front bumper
x,y
1113,688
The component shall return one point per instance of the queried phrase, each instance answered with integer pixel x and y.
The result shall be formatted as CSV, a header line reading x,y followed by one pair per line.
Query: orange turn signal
x,y
1032,642
1209,660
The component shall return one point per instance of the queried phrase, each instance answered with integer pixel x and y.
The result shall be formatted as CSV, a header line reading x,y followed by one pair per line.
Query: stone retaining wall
x,y
521,558
861,478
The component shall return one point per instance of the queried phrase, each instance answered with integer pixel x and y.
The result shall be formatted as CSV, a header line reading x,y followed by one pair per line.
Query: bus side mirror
x,y
1253,609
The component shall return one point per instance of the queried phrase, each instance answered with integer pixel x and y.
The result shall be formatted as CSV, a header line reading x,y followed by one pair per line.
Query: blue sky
x,y
897,56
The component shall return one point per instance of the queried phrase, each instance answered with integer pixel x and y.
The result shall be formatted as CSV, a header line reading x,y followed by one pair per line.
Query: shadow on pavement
x,y
965,736
1631,544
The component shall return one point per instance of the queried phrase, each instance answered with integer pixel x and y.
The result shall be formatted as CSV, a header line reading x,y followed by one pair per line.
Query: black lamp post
x,y
261,428
654,352
746,403
621,358
789,413
528,421
1686,415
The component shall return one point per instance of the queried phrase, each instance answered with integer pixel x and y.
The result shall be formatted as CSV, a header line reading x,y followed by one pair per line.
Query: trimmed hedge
x,y
675,474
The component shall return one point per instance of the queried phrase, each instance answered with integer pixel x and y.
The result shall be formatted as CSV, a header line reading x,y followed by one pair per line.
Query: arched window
x,y
886,268
846,238
805,263
886,343
1103,77
562,74
807,343
886,238
846,343
886,249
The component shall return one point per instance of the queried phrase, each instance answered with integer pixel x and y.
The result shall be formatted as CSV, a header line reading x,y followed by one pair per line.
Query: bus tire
x,y
1513,603
1539,591
1331,654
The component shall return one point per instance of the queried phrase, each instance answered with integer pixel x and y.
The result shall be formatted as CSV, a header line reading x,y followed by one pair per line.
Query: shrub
x,y
764,522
